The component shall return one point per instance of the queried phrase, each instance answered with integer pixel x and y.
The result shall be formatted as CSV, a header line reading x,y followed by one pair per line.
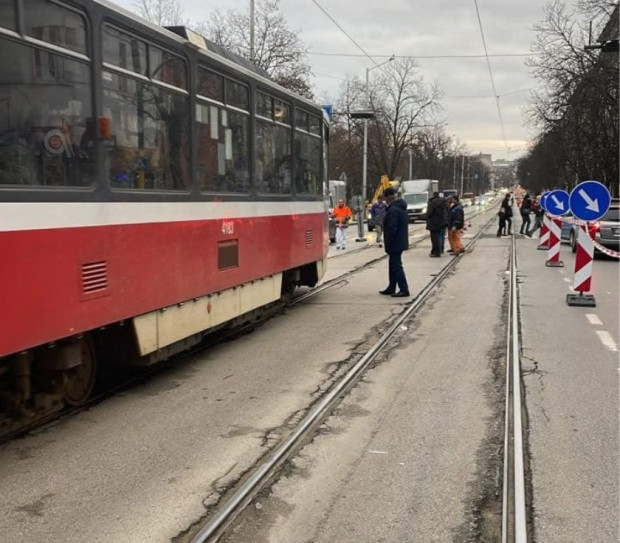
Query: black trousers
x,y
525,225
397,273
436,241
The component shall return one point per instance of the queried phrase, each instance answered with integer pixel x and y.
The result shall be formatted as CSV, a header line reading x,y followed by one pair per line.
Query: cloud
x,y
423,28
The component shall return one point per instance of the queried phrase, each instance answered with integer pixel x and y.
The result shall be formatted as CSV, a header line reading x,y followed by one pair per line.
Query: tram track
x,y
217,521
514,501
141,375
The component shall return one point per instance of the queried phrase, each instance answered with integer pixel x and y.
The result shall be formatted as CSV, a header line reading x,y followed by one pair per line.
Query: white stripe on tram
x,y
44,215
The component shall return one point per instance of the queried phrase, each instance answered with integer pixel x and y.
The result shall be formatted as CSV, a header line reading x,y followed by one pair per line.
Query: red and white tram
x,y
152,188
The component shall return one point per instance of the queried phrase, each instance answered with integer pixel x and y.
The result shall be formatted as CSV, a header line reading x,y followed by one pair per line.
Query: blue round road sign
x,y
557,202
543,200
590,200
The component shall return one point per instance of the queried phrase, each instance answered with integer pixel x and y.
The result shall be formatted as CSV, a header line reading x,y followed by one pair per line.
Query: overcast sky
x,y
423,28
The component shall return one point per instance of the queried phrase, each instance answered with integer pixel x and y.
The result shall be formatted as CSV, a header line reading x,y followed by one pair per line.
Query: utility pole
x,y
410,163
462,174
252,52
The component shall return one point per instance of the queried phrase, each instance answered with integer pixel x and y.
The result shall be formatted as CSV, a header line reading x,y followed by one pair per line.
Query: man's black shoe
x,y
433,255
401,295
387,292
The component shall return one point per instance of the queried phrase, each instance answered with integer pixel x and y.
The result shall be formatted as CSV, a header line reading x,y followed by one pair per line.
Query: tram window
x,y
222,138
307,164
237,95
264,105
124,51
301,119
54,24
315,125
46,131
273,158
282,112
7,14
210,85
168,68
148,144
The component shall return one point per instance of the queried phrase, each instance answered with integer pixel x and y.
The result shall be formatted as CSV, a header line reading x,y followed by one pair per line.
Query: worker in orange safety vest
x,y
343,214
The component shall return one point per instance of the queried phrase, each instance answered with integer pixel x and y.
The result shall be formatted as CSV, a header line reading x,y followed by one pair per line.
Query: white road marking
x,y
377,452
567,279
607,340
594,319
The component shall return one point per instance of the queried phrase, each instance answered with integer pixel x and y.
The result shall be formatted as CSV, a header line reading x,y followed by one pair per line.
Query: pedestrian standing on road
x,y
435,220
396,237
444,227
456,222
526,209
506,213
539,214
377,213
342,214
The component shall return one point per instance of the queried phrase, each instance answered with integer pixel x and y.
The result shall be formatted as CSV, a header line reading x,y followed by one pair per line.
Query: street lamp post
x,y
365,162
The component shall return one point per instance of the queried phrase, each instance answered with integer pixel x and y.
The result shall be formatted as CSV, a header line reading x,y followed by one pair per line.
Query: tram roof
x,y
213,51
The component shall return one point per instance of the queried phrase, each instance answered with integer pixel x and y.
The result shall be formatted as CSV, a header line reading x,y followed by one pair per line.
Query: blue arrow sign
x,y
590,200
557,202
543,200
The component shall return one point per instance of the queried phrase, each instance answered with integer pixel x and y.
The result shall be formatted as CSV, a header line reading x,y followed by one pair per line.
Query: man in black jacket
x,y
526,208
396,239
436,219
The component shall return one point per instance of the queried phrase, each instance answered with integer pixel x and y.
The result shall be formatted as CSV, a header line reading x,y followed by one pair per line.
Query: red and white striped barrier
x,y
582,280
605,250
553,255
544,234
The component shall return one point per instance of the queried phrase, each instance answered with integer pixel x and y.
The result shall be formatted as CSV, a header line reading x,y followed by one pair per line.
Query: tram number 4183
x,y
228,227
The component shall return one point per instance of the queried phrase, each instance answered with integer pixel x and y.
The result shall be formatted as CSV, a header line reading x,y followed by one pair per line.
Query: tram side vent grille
x,y
94,277
309,237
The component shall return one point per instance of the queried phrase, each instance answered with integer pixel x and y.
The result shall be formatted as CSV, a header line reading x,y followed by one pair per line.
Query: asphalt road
x,y
412,454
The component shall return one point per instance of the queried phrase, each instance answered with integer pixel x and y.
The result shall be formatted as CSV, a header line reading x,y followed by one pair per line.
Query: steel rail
x,y
519,470
514,513
222,518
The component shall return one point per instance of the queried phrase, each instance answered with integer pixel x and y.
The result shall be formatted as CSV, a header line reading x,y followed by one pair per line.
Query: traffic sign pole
x,y
588,201
544,234
582,280
553,255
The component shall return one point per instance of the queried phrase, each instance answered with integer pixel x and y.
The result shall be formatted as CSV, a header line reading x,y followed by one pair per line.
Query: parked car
x,y
605,231
567,228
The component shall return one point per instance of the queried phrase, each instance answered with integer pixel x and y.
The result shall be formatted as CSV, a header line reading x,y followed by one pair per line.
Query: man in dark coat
x,y
396,239
436,219
526,209
505,217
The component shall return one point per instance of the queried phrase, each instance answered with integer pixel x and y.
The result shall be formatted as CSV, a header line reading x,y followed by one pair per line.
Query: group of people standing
x,y
527,207
445,214
391,222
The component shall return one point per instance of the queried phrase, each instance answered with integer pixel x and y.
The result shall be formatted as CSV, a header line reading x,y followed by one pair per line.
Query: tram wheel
x,y
80,380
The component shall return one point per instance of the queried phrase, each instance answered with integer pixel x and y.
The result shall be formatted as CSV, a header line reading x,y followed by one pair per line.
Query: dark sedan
x,y
605,231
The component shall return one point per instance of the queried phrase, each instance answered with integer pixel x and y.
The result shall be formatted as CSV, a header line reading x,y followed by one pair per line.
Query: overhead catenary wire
x,y
357,55
486,53
344,31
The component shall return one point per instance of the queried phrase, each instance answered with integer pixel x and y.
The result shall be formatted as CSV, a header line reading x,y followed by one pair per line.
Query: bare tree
x,y
403,105
577,113
161,12
277,49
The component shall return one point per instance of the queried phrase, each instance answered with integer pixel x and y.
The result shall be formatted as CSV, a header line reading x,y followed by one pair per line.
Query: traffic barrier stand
x,y
583,271
553,255
544,234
